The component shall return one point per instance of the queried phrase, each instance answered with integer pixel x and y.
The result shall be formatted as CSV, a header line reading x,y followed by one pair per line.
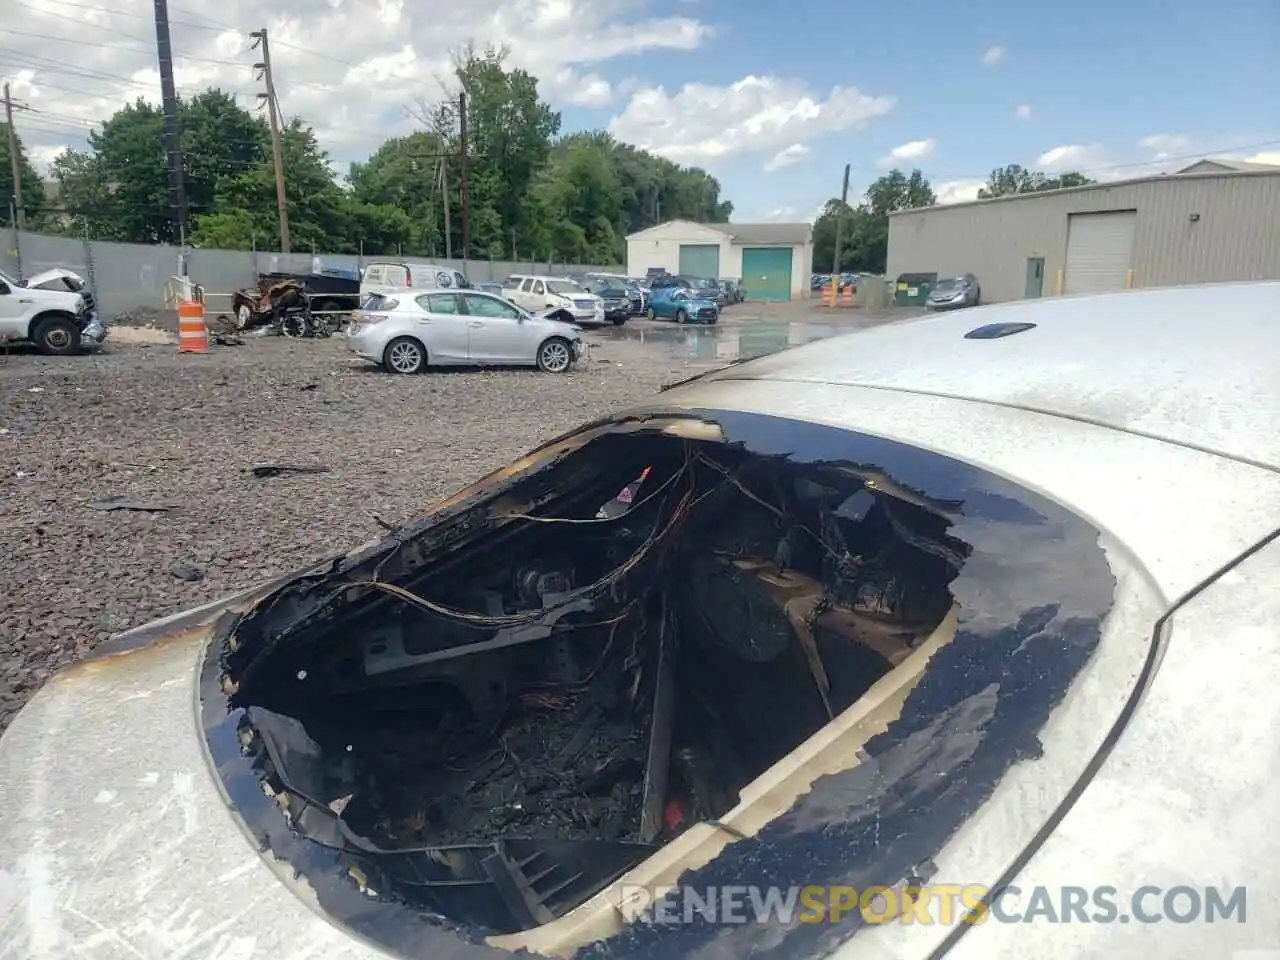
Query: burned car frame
x,y
487,719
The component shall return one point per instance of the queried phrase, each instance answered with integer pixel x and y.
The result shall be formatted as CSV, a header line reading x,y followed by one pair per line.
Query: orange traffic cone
x,y
193,335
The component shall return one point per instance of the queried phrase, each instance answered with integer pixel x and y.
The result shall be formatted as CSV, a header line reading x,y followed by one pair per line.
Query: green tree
x,y
1014,179
318,215
865,228
33,199
120,186
581,189
510,132
220,140
403,176
532,193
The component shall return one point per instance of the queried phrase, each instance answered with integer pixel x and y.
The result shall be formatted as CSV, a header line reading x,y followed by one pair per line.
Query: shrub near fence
x,y
126,277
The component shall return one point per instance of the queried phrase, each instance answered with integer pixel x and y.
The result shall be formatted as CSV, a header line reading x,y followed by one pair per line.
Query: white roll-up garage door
x,y
1099,248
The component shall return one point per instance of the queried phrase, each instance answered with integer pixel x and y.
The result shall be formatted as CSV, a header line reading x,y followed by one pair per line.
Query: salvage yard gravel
x,y
128,488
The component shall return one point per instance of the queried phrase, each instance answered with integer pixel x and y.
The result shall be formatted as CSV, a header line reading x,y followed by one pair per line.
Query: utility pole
x,y
273,109
172,131
844,203
444,192
466,212
20,217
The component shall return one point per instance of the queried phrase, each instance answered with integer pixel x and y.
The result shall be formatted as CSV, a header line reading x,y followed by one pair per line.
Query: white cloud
x,y
1165,146
958,191
1165,143
1023,112
908,152
351,68
787,157
701,122
1267,156
42,155
993,56
780,214
1070,157
581,90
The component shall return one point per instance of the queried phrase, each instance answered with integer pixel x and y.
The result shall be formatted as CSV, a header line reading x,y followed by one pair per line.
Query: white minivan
x,y
392,275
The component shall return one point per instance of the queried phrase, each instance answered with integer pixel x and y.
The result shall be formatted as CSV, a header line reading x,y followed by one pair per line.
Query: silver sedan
x,y
407,333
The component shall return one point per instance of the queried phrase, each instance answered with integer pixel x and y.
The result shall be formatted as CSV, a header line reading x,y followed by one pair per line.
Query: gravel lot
x,y
145,423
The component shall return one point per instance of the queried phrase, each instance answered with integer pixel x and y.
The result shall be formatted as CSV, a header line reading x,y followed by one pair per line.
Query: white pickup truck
x,y
538,294
49,311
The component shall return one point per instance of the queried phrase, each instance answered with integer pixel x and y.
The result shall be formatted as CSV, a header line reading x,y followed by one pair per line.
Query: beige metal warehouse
x,y
1191,227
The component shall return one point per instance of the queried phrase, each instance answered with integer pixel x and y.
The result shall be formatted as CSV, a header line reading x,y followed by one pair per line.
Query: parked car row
x,y
823,281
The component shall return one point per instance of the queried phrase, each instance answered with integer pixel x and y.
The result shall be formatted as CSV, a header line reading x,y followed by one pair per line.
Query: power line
x,y
113,46
96,8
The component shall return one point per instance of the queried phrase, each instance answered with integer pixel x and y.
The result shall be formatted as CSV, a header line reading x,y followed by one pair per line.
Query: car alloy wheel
x,y
681,316
405,356
243,316
554,356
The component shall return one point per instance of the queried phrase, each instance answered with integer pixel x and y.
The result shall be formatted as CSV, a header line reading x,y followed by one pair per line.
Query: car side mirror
x,y
4,288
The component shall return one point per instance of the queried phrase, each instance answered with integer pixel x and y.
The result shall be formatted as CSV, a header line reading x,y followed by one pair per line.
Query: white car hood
x,y
47,275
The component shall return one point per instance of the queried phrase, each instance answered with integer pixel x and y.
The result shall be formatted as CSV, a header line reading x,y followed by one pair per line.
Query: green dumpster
x,y
912,289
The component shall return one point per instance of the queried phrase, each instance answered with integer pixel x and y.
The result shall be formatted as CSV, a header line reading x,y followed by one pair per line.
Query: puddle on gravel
x,y
726,343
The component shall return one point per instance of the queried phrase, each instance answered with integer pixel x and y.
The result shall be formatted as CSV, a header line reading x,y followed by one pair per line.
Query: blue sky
x,y
772,97
1094,76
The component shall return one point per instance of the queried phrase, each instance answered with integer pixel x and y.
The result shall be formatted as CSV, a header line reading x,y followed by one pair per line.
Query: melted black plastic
x,y
1032,597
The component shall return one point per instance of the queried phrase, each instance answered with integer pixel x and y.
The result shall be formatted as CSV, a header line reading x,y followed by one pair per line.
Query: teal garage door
x,y
766,273
700,260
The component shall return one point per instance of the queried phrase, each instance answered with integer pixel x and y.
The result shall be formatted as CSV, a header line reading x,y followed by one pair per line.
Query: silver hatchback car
x,y
407,333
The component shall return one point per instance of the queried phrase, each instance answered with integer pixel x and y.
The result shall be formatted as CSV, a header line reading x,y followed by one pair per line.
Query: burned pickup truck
x,y
494,719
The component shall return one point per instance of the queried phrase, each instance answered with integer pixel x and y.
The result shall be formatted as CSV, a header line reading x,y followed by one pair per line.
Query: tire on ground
x,y
57,335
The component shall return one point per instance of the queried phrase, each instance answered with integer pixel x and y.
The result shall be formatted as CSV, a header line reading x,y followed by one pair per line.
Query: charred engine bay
x,y
583,667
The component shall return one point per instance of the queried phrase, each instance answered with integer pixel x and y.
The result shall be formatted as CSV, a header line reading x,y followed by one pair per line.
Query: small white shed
x,y
772,260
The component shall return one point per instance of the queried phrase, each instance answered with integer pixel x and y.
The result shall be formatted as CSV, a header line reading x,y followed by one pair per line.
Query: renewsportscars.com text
x,y
940,903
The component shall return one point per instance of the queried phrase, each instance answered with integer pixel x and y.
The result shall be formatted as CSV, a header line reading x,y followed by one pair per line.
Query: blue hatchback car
x,y
682,305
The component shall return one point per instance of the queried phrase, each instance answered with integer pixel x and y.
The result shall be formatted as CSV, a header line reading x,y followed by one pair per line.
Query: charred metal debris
x,y
498,714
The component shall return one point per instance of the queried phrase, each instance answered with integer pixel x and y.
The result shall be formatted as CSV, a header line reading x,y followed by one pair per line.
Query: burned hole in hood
x,y
500,715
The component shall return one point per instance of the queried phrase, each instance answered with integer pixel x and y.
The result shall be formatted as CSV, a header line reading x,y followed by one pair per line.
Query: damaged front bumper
x,y
94,330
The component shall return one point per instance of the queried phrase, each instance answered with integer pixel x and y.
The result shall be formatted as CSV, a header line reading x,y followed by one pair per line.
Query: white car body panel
x,y
1144,361
142,858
